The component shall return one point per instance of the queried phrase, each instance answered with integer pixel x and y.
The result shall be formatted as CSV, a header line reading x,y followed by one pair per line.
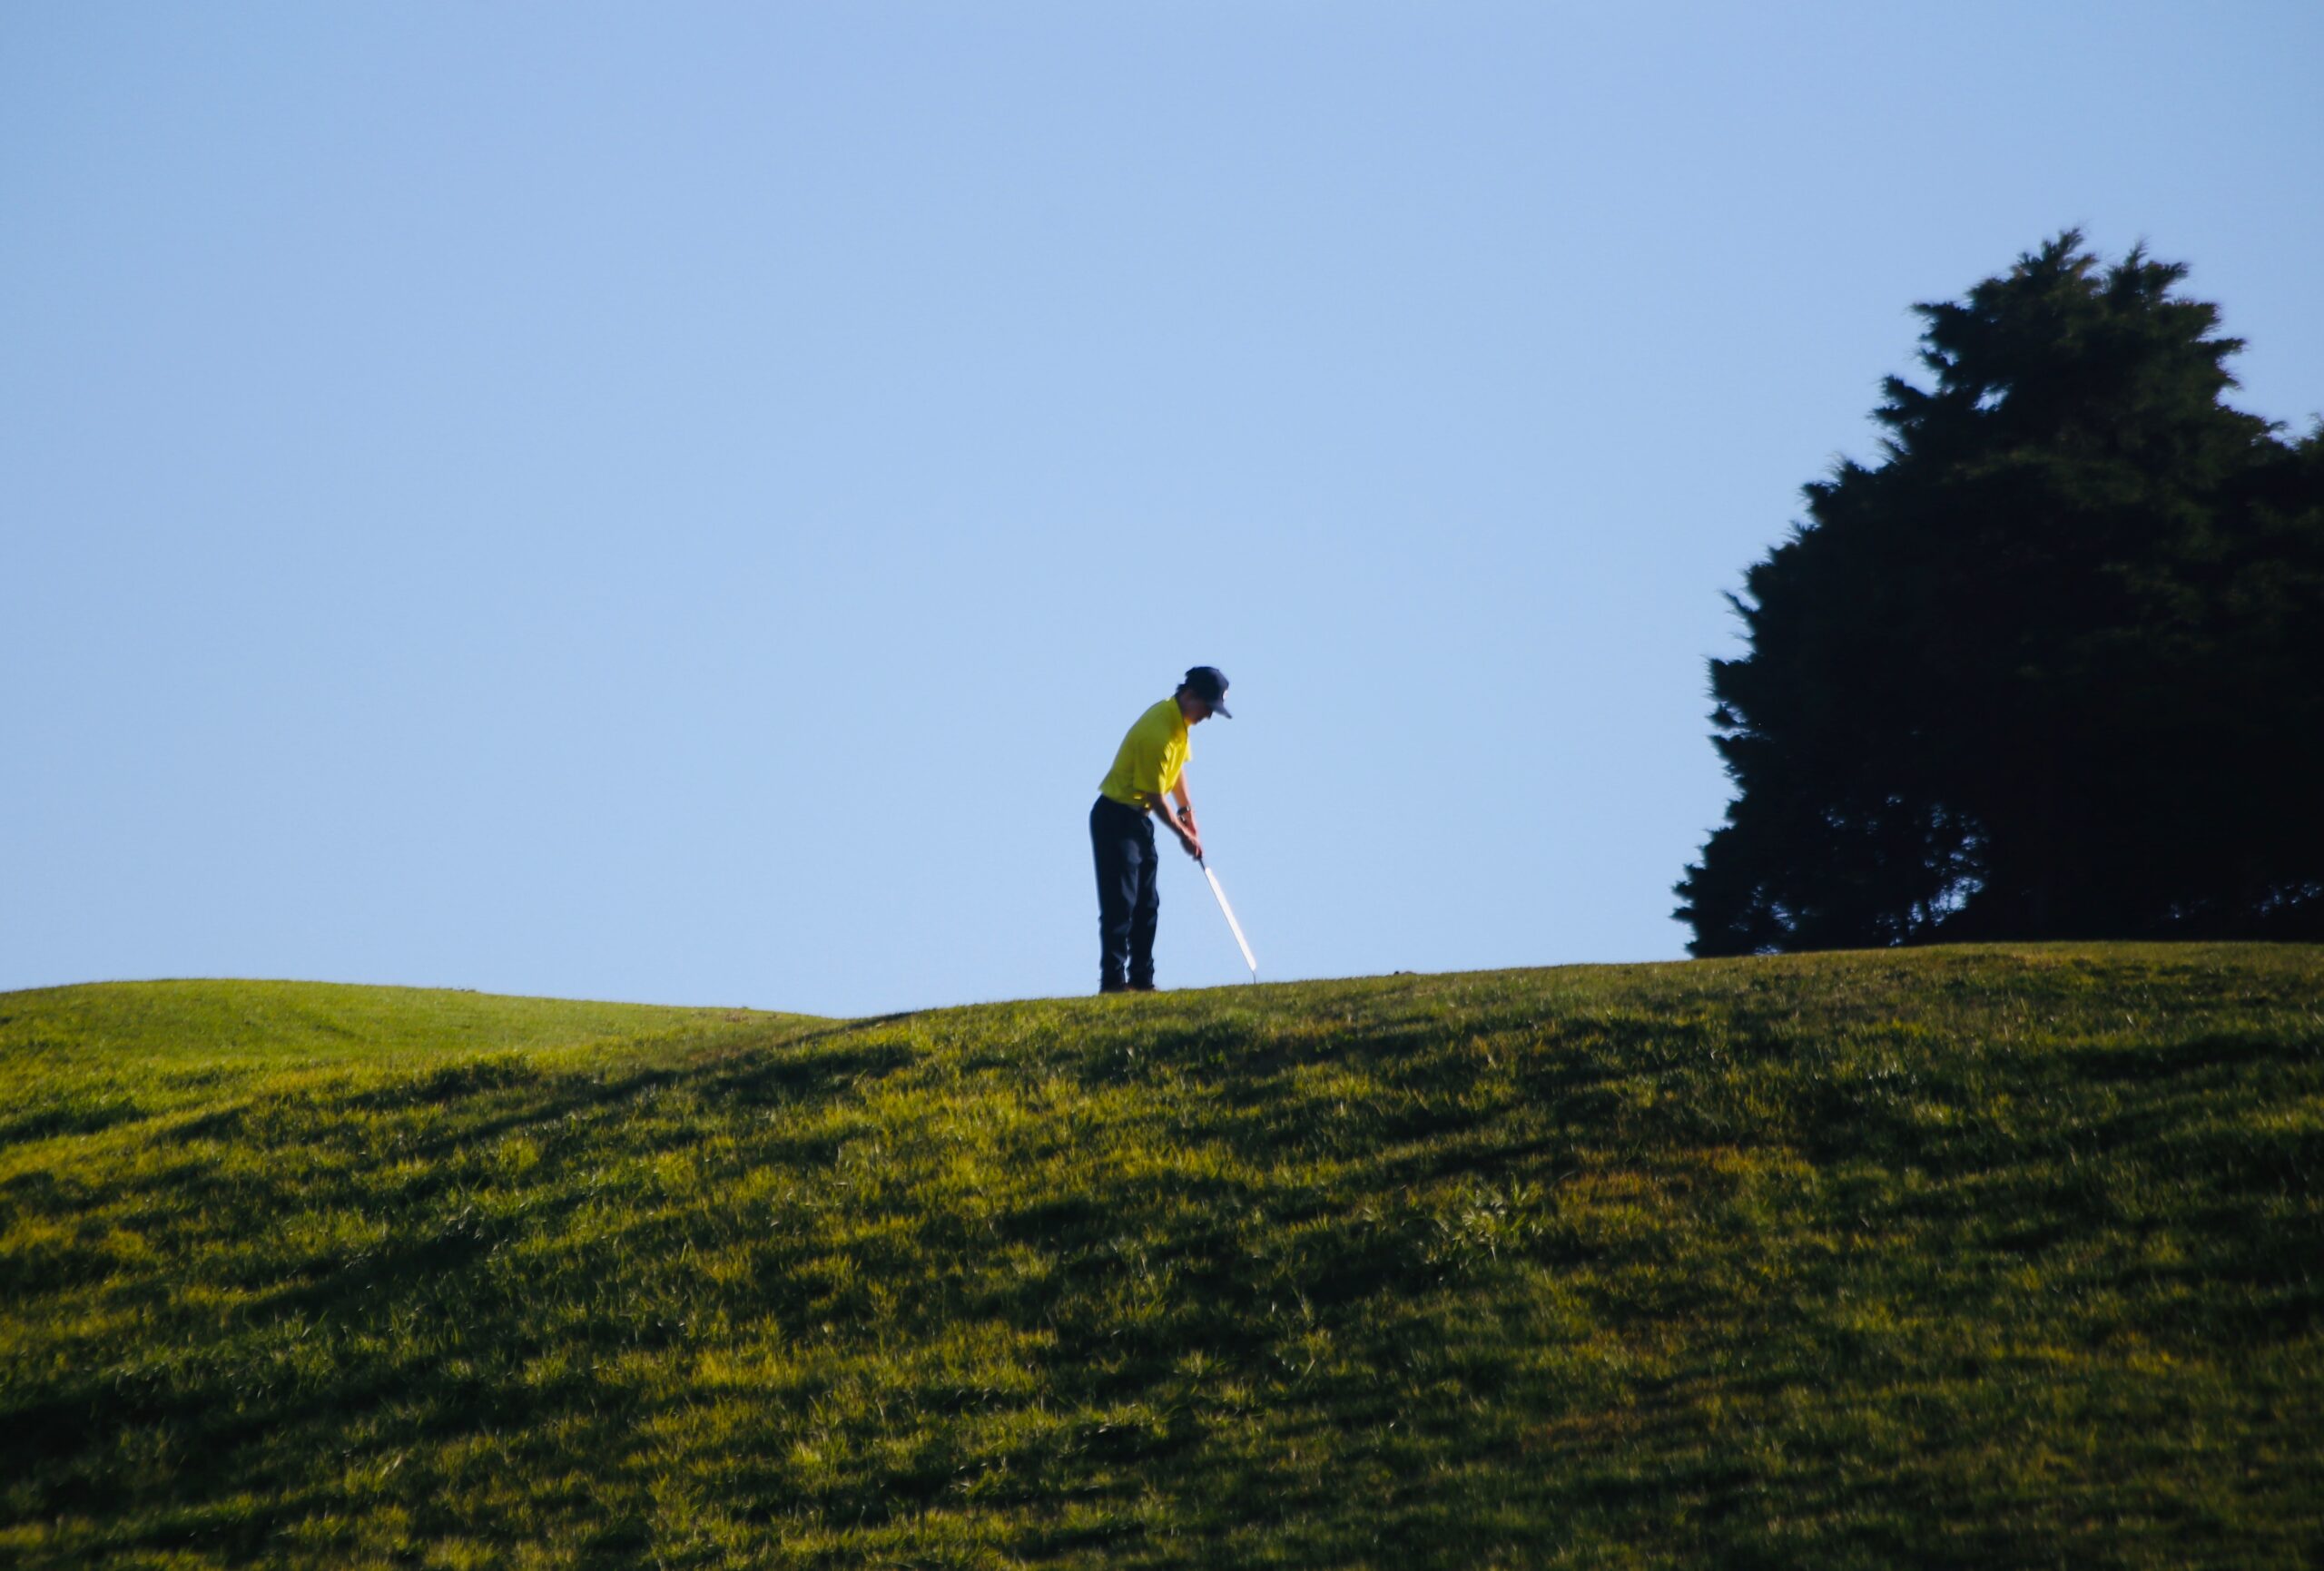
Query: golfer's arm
x,y
1160,803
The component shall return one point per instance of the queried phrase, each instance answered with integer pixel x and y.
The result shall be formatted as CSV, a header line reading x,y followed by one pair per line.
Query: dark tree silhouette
x,y
2053,667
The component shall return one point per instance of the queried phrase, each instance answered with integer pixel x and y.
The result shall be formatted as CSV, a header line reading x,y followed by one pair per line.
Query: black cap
x,y
1209,684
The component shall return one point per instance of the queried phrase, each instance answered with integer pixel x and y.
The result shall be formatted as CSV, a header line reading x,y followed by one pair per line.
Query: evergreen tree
x,y
2055,666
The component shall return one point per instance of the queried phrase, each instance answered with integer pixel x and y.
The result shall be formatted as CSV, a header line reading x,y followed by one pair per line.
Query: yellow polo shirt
x,y
1152,756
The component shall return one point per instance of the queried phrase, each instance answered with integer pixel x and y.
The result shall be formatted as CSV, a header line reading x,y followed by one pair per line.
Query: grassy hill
x,y
1957,1256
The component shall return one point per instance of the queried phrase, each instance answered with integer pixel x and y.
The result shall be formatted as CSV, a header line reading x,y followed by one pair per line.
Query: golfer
x,y
1149,769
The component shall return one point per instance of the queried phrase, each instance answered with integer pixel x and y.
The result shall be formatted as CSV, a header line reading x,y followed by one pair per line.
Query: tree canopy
x,y
2054,665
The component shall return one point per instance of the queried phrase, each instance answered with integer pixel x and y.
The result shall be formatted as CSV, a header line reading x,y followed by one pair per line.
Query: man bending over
x,y
1149,769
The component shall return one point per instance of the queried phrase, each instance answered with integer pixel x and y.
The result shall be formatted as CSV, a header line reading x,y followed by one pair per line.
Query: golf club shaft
x,y
1232,925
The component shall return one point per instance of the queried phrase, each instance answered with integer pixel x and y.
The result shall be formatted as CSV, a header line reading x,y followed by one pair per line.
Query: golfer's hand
x,y
1192,841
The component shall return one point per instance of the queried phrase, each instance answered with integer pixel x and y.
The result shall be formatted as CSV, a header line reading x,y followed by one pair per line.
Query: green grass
x,y
1997,1256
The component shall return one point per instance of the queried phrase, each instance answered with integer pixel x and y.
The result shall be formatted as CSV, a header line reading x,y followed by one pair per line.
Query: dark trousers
x,y
1130,898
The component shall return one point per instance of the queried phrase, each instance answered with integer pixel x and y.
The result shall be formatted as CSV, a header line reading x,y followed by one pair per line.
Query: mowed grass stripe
x,y
1996,1255
74,1059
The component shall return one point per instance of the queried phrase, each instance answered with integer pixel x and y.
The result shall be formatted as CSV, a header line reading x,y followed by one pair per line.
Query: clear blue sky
x,y
680,502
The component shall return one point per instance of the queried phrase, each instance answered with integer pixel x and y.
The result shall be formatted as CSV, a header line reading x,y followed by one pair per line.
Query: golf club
x,y
1236,928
